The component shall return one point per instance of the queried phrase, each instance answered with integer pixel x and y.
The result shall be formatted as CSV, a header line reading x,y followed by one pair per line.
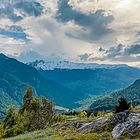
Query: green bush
x,y
106,136
82,114
106,127
1,131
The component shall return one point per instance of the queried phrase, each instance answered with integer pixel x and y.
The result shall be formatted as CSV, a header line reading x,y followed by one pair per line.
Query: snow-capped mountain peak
x,y
51,65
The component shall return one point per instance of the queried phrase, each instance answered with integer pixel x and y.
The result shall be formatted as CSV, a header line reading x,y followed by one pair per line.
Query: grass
x,y
54,132
37,135
64,131
53,135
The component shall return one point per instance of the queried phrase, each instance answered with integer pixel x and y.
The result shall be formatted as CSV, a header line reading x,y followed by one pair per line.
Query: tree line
x,y
32,115
35,114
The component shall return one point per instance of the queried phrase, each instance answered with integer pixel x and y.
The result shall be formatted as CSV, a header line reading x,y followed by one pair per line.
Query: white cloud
x,y
126,21
85,6
48,36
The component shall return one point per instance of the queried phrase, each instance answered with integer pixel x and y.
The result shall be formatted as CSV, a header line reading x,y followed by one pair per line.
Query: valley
x,y
72,103
69,70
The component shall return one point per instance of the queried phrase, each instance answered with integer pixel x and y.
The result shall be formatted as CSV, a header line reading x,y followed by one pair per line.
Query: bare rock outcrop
x,y
94,126
129,121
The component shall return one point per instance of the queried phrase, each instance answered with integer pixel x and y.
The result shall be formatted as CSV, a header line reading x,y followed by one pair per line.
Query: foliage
x,y
82,114
1,131
32,115
10,119
135,108
58,134
109,101
122,105
59,118
62,132
27,99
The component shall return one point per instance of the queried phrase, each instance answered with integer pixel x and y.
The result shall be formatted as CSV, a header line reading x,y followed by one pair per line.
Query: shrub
x,y
59,118
82,114
122,105
1,131
100,114
107,127
105,136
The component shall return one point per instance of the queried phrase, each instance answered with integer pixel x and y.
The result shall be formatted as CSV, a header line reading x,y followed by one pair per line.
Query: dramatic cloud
x,y
12,12
76,30
120,53
93,25
17,10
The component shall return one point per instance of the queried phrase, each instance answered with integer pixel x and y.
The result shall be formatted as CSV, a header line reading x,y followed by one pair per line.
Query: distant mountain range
x,y
87,79
108,102
64,85
52,65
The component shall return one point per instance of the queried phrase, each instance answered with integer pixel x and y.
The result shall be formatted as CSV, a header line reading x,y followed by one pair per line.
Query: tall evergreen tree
x,y
122,105
47,105
27,99
46,109
35,105
10,118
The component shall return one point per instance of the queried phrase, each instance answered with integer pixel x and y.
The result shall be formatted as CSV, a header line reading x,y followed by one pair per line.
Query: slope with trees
x,y
16,76
32,115
107,102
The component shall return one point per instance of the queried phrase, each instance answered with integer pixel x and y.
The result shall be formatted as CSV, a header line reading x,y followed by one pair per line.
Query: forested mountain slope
x,y
108,102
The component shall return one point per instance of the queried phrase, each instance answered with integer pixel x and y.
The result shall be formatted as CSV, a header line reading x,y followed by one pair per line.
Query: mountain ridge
x,y
87,79
16,76
64,86
63,64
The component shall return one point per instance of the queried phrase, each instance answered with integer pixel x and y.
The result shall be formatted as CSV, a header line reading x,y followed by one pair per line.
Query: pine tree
x,y
27,99
35,104
44,101
34,115
46,109
122,105
10,118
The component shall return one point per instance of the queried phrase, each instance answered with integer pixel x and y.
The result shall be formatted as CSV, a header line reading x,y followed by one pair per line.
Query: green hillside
x,y
132,94
16,76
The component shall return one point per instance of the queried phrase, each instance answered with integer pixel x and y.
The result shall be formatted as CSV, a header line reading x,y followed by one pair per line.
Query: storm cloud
x,y
94,26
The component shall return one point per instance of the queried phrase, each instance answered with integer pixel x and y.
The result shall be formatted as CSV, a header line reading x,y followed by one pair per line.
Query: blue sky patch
x,y
14,32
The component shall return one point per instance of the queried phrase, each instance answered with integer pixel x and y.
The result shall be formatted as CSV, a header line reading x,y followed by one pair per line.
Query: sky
x,y
95,31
